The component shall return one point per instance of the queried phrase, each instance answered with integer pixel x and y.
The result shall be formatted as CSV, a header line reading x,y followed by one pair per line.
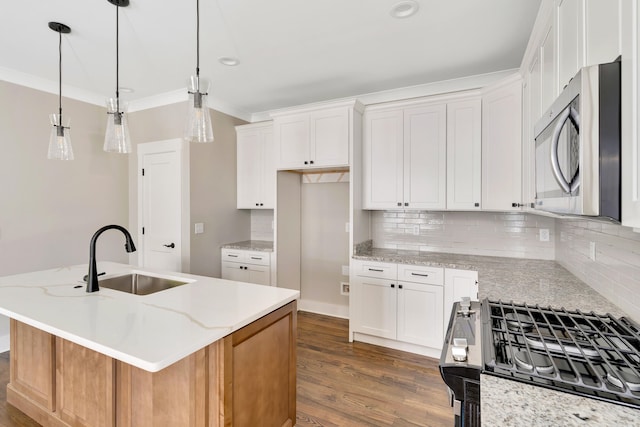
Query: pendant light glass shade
x,y
60,139
198,127
117,139
60,136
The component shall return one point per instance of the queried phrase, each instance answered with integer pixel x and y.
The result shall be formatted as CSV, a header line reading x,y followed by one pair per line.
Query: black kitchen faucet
x,y
92,279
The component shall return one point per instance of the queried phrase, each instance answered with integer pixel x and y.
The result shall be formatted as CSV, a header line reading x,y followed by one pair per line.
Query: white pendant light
x,y
60,139
198,127
117,139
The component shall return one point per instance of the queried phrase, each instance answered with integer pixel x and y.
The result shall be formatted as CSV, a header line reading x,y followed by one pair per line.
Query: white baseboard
x,y
398,345
334,310
4,343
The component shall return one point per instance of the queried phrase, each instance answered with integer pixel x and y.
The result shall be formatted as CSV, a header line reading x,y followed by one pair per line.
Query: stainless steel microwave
x,y
577,146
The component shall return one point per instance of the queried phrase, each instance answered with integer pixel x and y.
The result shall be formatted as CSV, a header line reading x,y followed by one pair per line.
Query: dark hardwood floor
x,y
339,383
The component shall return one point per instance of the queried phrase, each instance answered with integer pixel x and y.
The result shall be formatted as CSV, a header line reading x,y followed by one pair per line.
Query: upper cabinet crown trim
x,y
258,125
426,100
352,103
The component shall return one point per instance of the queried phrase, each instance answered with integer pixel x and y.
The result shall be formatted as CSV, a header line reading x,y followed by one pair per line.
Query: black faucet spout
x,y
92,279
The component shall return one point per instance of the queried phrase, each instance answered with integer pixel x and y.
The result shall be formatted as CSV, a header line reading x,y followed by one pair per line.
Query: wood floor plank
x,y
340,384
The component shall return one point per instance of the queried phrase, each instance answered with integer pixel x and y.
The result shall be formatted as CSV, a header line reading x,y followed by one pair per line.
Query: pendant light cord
x,y
117,60
198,43
60,76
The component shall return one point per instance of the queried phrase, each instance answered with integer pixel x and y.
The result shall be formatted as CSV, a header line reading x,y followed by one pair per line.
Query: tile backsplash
x,y
615,272
515,235
262,224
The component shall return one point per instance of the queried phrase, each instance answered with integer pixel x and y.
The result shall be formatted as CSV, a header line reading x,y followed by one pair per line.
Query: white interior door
x,y
162,206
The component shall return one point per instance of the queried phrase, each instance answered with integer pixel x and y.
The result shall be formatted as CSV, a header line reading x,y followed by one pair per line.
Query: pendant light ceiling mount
x,y
119,3
59,28
60,138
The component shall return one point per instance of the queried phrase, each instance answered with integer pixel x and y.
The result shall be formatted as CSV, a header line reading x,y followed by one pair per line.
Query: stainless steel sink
x,y
139,284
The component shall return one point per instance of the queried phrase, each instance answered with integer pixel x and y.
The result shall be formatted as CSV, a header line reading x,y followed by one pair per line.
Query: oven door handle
x,y
568,187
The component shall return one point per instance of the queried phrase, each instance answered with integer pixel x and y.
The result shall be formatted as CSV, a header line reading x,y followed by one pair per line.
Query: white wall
x,y
324,247
50,209
511,234
615,273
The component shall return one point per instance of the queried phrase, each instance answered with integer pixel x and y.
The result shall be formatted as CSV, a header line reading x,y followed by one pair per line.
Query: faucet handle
x,y
86,276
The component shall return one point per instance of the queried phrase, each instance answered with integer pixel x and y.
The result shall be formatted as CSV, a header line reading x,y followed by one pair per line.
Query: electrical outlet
x,y
416,230
592,251
544,234
345,270
344,288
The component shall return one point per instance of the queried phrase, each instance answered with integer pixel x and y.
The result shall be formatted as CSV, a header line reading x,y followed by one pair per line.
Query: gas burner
x,y
515,320
532,360
622,377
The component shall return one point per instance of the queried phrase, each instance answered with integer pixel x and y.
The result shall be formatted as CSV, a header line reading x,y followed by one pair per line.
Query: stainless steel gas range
x,y
586,354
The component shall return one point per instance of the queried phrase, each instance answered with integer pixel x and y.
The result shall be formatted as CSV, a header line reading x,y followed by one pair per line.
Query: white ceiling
x,y
291,52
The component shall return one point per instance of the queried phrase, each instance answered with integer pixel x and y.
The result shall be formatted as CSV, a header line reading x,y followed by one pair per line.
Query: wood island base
x,y
245,379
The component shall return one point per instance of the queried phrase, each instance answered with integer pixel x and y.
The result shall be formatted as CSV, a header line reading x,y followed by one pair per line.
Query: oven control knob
x,y
459,349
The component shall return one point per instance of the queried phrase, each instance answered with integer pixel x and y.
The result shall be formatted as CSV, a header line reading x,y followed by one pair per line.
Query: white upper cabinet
x,y
570,43
405,157
502,145
464,145
256,172
425,157
383,159
313,138
602,30
548,68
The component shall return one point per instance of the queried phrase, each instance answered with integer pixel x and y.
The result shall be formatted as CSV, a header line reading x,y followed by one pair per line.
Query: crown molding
x,y
50,86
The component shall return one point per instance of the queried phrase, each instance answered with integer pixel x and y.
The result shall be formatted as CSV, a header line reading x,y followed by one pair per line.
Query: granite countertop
x,y
150,332
510,403
251,245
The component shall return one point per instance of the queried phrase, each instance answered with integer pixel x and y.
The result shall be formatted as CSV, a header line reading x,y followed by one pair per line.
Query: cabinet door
x,y
250,163
464,146
376,305
570,40
420,314
602,31
502,147
258,274
329,143
531,114
291,134
234,271
383,159
548,63
425,157
458,284
268,178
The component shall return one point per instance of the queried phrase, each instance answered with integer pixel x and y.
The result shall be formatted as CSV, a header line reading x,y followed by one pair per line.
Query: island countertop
x,y
150,332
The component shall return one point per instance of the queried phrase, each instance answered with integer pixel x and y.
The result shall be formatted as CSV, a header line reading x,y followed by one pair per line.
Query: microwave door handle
x,y
555,164
574,116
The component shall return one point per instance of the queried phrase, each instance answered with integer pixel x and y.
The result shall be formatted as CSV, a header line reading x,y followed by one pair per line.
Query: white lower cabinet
x,y
405,304
246,266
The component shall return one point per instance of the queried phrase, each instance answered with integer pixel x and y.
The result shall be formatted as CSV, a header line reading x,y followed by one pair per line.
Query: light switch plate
x,y
199,228
345,270
544,234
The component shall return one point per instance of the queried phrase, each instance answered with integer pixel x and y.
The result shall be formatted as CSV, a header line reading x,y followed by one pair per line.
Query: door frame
x,y
182,149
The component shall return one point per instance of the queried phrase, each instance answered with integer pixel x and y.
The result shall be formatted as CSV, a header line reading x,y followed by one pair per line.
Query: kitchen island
x,y
210,352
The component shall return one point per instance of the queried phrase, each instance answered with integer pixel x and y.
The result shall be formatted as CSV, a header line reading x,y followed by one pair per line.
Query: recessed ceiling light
x,y
229,61
404,9
125,89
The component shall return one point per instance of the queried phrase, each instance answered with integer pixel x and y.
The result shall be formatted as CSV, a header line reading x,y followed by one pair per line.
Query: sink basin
x,y
139,284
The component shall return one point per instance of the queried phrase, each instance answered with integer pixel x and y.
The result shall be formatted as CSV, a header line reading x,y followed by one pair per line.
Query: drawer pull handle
x,y
418,274
256,257
232,256
377,270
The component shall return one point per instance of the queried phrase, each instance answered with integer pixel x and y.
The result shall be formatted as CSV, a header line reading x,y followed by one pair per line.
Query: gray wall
x,y
50,209
213,182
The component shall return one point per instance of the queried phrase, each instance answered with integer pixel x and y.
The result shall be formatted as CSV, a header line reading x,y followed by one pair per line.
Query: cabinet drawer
x,y
257,258
233,255
421,274
380,270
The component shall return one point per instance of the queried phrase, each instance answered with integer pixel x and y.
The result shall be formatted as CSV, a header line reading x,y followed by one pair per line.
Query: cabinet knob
x,y
516,205
311,161
400,286
306,163
257,204
406,204
393,286
261,204
399,204
476,204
